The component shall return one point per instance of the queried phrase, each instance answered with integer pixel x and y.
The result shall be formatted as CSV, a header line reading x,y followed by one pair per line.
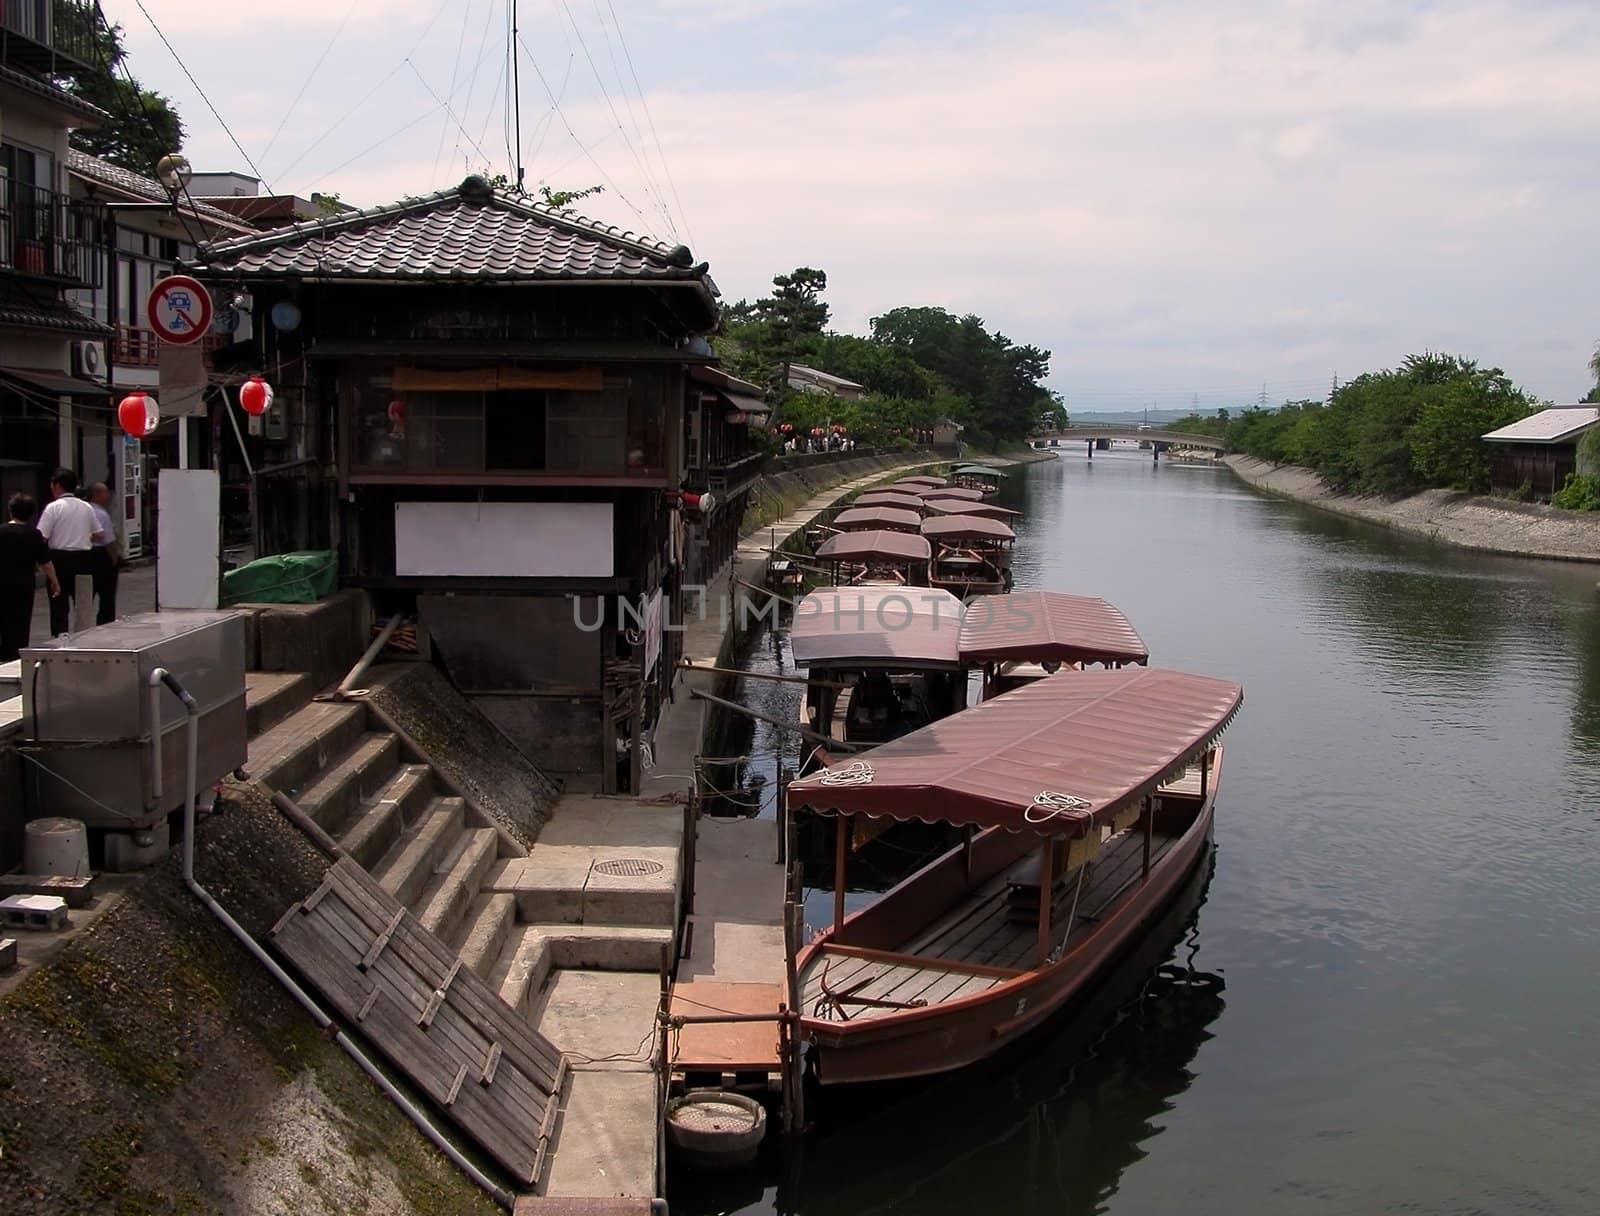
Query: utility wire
x,y
306,83
455,75
448,111
472,84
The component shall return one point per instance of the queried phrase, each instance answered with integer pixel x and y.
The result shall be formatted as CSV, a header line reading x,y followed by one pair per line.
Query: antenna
x,y
516,90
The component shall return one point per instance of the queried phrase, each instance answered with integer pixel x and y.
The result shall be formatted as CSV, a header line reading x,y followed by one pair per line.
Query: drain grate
x,y
628,867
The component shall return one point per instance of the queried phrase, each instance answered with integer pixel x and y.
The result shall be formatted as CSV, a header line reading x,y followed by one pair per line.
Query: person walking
x,y
69,528
107,555
22,552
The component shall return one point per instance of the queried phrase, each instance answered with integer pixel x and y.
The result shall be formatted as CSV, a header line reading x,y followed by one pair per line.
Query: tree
x,y
793,317
144,127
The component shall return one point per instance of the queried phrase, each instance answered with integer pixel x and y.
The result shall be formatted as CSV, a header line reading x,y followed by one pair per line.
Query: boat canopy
x,y
966,527
977,470
962,506
921,479
1048,626
892,519
877,627
1060,757
961,492
875,545
889,498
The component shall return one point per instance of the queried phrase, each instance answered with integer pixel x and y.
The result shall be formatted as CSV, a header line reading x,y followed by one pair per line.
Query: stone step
x,y
488,923
456,882
409,864
271,696
379,822
287,756
533,951
571,884
361,772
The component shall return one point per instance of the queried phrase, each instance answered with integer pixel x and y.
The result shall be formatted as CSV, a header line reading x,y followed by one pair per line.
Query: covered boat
x,y
1087,802
877,556
888,519
978,477
962,506
1018,638
921,479
951,493
889,498
971,554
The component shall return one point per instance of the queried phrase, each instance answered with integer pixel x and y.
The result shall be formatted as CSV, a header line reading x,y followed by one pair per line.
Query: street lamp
x,y
173,172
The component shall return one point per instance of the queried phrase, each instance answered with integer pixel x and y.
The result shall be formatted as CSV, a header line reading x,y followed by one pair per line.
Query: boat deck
x,y
973,947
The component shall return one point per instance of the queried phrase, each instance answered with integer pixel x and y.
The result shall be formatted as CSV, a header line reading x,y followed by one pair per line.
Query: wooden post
x,y
1205,772
783,813
793,1093
1047,856
841,849
82,603
1149,830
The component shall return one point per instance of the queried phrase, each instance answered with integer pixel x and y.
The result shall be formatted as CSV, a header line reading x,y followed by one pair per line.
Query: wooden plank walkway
x,y
487,1070
729,1046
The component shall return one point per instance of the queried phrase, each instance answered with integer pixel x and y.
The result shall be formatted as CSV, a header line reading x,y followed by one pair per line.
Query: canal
x,y
1381,998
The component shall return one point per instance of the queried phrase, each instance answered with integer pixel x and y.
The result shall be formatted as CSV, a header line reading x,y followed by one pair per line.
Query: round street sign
x,y
179,309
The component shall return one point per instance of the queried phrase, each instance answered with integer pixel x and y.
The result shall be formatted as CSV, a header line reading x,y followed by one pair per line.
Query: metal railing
x,y
37,32
49,234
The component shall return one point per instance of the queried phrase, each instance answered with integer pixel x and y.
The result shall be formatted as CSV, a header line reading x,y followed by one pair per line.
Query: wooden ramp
x,y
434,1019
730,1046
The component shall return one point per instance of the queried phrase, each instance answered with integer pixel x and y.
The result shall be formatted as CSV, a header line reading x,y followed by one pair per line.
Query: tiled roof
x,y
469,233
140,186
41,88
34,307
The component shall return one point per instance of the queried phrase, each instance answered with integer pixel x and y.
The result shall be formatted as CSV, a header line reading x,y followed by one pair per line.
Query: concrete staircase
x,y
574,934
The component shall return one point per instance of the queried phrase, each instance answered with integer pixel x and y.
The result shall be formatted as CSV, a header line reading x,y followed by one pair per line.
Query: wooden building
x,y
491,398
1539,451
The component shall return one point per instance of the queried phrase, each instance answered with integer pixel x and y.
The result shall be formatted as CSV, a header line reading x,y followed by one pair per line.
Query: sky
x,y
1185,201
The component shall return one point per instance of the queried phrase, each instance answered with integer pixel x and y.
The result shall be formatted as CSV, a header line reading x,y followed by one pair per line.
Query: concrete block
x,y
8,953
632,898
48,912
323,639
548,884
580,1205
127,851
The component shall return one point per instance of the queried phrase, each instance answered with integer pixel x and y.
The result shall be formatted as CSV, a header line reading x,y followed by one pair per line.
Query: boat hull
x,y
944,1037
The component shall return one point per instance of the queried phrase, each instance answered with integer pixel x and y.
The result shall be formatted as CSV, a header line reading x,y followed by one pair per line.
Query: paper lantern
x,y
138,414
255,394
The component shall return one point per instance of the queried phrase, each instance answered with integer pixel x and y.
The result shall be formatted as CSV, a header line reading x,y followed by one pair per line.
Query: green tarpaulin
x,y
284,578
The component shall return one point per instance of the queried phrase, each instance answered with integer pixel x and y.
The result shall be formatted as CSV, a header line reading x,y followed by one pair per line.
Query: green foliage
x,y
1579,493
144,127
1589,452
559,199
1392,432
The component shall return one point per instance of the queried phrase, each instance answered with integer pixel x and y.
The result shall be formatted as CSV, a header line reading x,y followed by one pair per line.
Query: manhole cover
x,y
628,867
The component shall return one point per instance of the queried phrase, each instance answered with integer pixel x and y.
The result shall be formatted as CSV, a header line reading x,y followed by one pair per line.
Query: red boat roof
x,y
1056,756
962,506
966,527
882,626
921,479
960,492
894,519
876,544
888,498
1045,626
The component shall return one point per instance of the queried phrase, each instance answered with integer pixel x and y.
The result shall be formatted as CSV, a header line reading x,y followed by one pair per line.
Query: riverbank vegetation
x,y
919,366
1389,432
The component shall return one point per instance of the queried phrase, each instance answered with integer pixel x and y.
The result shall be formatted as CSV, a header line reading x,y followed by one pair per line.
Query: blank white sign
x,y
503,539
188,538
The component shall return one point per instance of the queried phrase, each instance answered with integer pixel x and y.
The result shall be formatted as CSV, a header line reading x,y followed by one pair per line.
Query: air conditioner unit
x,y
88,358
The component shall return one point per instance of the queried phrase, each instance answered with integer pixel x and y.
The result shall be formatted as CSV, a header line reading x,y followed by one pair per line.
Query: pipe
x,y
348,684
418,1117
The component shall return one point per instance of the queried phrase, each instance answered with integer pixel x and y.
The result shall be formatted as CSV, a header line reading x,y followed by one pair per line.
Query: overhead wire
x,y
306,83
448,111
549,118
472,84
455,73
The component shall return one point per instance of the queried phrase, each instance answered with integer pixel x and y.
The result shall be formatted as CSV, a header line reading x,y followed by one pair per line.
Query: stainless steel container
x,y
92,723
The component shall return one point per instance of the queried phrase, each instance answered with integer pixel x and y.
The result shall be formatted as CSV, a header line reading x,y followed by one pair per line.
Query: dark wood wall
x,y
1542,467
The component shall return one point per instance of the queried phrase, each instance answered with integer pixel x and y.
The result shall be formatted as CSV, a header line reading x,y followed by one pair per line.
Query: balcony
x,y
49,36
47,235
133,347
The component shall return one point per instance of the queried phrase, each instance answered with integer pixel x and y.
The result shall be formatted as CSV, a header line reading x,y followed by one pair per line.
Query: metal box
x,y
87,710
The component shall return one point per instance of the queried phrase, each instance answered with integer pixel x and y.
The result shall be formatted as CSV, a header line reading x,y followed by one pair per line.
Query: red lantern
x,y
786,427
255,394
138,414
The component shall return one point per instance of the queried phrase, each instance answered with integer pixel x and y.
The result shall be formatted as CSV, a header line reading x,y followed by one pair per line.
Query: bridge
x,y
1102,433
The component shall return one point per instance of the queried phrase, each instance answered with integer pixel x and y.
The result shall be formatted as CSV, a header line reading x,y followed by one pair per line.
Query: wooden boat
x,y
1022,637
1087,801
877,556
882,661
961,506
978,477
971,554
921,480
952,494
889,498
887,519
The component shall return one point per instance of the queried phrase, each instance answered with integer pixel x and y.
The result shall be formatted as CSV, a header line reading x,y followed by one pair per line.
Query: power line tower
x,y
1261,401
1335,387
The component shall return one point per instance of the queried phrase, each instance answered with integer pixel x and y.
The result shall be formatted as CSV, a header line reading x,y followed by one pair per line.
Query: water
x,y
1405,904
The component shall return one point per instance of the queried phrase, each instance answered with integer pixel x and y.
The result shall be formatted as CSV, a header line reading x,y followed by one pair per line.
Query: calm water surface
x,y
1404,903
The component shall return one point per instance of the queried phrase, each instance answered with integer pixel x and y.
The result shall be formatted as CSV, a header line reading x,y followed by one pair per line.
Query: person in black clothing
x,y
22,551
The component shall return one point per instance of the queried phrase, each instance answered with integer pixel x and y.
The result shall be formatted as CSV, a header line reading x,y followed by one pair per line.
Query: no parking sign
x,y
179,309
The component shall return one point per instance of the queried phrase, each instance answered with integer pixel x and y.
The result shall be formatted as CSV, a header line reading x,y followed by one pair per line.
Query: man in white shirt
x,y
69,528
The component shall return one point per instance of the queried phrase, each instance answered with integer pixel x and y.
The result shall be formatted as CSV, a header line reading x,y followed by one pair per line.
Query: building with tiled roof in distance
x,y
486,406
239,194
52,409
152,231
1532,456
814,380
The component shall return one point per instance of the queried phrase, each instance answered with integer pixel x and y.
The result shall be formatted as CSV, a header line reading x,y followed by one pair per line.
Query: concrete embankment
x,y
1469,521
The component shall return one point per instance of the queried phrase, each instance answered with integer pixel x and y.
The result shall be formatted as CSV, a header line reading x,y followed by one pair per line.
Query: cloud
x,y
1162,193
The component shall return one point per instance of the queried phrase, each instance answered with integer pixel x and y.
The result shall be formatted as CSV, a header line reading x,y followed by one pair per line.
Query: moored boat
x,y
978,477
887,519
877,556
961,506
971,555
1087,802
1024,636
